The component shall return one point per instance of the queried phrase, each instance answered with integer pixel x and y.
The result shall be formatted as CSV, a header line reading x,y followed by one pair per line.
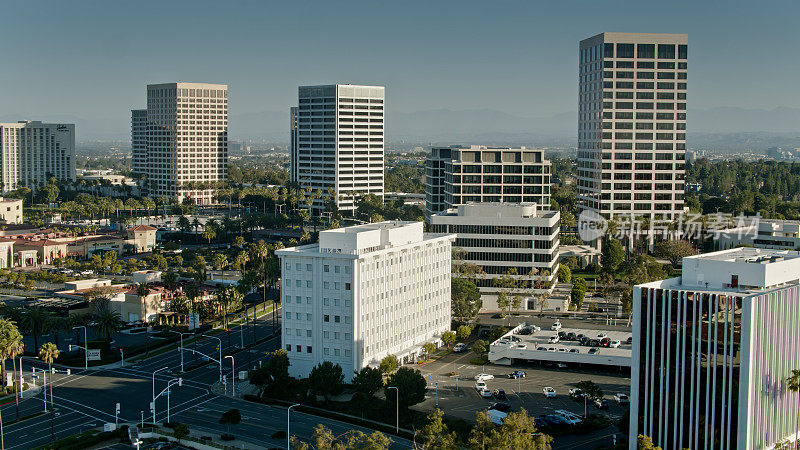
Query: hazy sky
x,y
93,59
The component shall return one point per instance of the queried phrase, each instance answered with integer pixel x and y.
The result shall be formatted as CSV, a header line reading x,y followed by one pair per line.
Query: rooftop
x,y
748,255
506,210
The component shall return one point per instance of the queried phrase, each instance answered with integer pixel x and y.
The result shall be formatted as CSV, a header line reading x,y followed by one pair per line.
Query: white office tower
x,y
632,124
362,293
187,140
501,238
712,350
456,175
340,142
139,141
31,152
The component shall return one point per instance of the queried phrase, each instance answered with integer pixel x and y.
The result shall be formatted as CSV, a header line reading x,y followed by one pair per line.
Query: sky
x,y
93,59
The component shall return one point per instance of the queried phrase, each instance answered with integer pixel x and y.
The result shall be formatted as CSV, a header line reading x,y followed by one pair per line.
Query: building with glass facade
x,y
712,350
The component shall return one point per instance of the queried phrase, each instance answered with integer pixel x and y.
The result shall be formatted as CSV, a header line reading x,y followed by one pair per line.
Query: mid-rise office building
x,y
759,233
456,175
31,152
632,124
340,142
503,238
139,141
362,293
186,150
294,162
712,350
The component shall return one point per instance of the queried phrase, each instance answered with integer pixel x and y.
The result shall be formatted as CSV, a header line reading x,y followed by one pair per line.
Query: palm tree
x,y
107,322
209,233
10,338
34,321
794,386
220,262
48,353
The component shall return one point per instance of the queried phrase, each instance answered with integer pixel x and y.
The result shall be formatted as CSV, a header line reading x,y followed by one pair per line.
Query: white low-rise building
x,y
712,350
506,237
760,233
364,292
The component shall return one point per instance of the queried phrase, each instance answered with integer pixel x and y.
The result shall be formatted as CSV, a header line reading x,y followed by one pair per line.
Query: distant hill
x,y
722,128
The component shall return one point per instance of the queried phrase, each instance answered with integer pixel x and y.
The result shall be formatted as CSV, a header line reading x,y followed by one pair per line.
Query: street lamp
x,y
288,435
181,347
85,348
220,353
154,391
233,375
397,408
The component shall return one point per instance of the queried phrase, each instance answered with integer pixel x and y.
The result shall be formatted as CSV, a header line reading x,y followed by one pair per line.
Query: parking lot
x,y
463,401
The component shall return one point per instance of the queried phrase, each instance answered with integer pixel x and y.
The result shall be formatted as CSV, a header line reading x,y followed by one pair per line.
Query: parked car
x,y
556,326
540,422
570,336
594,343
484,376
576,393
517,374
585,341
486,393
553,339
570,417
602,335
553,419
561,334
601,403
497,417
629,341
551,349
535,328
480,386
460,347
549,392
614,344
562,350
521,346
605,342
621,399
505,407
594,351
580,337
574,350
500,394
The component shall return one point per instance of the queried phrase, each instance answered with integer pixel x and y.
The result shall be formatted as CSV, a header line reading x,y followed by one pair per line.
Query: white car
x,y
549,392
621,399
614,344
480,386
554,340
522,346
577,393
570,417
484,376
556,326
460,347
535,328
602,336
486,393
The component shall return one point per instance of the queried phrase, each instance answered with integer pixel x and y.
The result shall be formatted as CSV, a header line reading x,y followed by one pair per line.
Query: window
x,y
308,283
347,269
646,51
326,301
308,349
299,348
326,268
336,269
308,267
666,51
624,50
608,50
682,51
288,347
297,266
347,286
297,283
336,352
326,351
336,335
326,318
337,319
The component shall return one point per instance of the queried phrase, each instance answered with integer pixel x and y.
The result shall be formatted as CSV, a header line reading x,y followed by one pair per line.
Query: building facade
x,y
294,162
31,152
712,350
186,140
139,141
457,175
506,238
339,142
632,124
11,211
760,233
362,293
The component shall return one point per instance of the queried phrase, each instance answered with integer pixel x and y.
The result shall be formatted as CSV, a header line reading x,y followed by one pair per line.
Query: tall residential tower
x,y
632,124
186,148
339,141
31,152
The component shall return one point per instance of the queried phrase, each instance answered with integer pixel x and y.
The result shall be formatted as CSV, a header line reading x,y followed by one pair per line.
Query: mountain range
x,y
721,127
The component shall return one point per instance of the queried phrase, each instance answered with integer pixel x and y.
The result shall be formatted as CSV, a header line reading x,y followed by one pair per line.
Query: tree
x,y
591,390
436,435
10,342
33,321
181,431
479,347
564,274
464,331
612,255
508,283
368,380
674,250
466,298
578,292
230,417
389,364
326,379
274,375
49,353
107,323
411,387
429,348
209,233
448,337
325,440
794,386
645,443
518,431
